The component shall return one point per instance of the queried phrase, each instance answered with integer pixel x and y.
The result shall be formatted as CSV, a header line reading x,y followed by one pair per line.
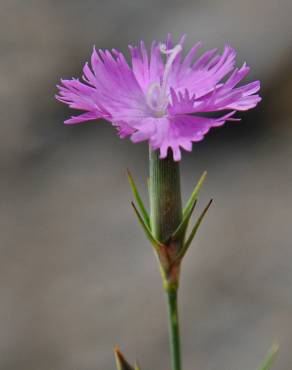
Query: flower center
x,y
156,96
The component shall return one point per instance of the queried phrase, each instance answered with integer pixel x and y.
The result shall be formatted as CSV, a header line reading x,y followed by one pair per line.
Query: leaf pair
x,y
193,232
179,234
187,214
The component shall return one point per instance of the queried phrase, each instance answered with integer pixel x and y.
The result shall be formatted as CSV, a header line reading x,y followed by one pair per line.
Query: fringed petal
x,y
110,89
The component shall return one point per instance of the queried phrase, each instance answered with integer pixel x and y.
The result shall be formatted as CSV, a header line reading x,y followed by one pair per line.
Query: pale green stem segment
x,y
165,216
174,330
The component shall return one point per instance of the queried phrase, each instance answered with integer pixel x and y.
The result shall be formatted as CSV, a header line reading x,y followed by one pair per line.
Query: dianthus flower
x,y
164,96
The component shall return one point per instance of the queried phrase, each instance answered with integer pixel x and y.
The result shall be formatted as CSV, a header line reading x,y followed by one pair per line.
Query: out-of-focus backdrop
x,y
76,273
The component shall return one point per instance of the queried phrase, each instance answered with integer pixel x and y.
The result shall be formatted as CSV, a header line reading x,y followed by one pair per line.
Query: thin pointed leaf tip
x,y
188,210
121,362
269,360
138,198
156,244
193,232
162,95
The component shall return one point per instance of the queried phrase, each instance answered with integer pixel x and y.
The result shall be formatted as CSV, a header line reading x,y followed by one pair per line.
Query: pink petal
x,y
88,116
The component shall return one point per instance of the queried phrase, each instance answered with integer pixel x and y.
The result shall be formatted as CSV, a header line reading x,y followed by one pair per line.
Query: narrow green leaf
x,y
121,362
194,196
138,198
182,227
136,366
270,357
185,247
188,211
156,244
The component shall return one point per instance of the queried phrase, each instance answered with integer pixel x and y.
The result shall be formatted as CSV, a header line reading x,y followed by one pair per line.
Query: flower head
x,y
163,96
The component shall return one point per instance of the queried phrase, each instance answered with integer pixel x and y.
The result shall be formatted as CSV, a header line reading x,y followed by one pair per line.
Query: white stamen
x,y
161,97
173,53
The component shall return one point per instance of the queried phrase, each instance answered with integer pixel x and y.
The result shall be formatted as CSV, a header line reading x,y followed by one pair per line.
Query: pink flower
x,y
159,100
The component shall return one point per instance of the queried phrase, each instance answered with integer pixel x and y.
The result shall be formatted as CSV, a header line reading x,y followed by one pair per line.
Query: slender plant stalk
x,y
165,216
174,330
166,230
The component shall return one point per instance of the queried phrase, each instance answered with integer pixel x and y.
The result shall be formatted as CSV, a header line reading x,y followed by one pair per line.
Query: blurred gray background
x,y
77,275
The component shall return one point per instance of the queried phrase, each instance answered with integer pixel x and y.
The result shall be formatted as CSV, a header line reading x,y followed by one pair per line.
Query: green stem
x,y
165,216
174,330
